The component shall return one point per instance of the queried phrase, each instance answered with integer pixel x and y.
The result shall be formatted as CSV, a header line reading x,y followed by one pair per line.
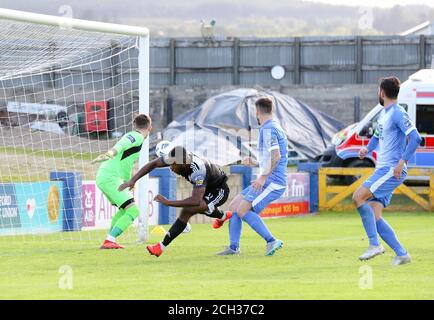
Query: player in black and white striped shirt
x,y
210,191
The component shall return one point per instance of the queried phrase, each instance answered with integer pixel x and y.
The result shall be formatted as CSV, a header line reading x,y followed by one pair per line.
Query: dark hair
x,y
142,121
390,86
179,155
265,105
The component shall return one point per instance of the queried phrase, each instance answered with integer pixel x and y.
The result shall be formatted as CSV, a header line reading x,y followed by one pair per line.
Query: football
x,y
187,228
163,147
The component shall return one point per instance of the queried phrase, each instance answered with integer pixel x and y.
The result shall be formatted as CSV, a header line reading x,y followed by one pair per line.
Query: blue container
x,y
246,173
72,211
312,168
167,188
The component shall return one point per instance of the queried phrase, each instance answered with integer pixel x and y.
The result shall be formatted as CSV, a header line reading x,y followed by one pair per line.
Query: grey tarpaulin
x,y
221,128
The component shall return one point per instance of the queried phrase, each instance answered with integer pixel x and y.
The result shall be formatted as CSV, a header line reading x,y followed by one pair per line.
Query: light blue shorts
x,y
382,183
260,200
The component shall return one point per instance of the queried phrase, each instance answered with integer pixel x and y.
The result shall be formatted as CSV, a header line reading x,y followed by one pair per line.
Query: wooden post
x,y
322,189
431,191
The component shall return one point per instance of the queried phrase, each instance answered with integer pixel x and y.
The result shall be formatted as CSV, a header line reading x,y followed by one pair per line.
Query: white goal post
x,y
22,68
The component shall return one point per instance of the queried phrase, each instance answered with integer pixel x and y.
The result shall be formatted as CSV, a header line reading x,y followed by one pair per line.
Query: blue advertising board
x,y
9,215
29,208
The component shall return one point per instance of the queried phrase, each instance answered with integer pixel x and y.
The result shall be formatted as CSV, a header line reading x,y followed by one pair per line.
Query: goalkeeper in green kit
x,y
116,168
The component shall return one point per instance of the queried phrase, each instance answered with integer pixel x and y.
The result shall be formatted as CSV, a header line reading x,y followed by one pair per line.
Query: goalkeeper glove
x,y
104,157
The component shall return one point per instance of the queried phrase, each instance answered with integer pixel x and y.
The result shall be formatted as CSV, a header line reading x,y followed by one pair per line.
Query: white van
x,y
417,97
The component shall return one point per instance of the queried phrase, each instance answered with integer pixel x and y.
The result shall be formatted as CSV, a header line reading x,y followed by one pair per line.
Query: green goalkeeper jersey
x,y
128,151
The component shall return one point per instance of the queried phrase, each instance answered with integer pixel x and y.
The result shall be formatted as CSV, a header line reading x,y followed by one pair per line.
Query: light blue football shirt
x,y
393,126
272,136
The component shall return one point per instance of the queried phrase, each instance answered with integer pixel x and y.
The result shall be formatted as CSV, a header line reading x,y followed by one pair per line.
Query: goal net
x,y
68,90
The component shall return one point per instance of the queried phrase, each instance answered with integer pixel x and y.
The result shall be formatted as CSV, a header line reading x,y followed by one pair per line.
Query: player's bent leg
x,y
239,207
176,229
110,242
360,196
124,201
237,210
179,225
243,208
131,213
235,228
116,217
388,235
377,207
122,224
221,217
256,223
215,198
233,206
219,221
260,200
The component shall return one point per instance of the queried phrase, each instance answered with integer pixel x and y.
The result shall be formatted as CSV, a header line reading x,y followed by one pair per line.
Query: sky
x,y
375,3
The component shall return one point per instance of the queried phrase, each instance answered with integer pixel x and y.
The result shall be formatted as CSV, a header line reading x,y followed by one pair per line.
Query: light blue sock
x,y
388,235
235,227
256,223
368,219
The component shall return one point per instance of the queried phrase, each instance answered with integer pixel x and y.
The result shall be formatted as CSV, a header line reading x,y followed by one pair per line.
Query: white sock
x,y
162,246
111,238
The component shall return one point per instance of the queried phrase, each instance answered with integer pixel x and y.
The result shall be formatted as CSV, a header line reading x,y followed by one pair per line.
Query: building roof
x,y
425,28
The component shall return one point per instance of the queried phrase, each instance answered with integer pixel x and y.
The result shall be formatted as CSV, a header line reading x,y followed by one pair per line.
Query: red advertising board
x,y
295,200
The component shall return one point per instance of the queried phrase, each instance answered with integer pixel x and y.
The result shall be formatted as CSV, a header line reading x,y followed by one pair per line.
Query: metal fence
x,y
248,62
306,60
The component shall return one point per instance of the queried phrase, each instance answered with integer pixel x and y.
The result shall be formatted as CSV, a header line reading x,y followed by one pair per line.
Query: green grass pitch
x,y
318,261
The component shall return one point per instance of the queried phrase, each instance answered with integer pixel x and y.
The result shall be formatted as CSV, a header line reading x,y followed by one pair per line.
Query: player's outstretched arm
x,y
157,163
194,201
249,161
105,156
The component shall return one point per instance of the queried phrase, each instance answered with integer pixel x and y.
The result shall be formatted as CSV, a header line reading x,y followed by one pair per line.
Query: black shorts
x,y
216,197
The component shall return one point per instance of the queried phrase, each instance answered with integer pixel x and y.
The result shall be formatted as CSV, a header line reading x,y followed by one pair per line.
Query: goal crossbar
x,y
78,24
